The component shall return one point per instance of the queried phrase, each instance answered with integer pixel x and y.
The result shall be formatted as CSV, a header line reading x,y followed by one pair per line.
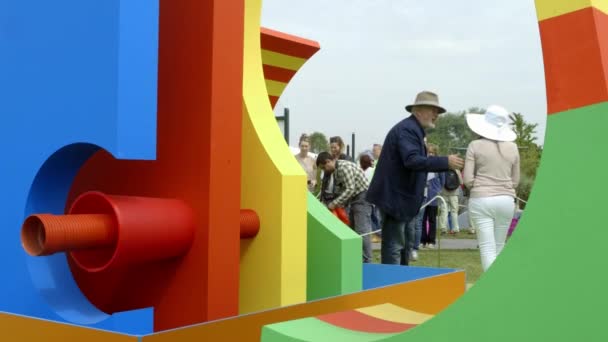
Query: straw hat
x,y
426,98
493,124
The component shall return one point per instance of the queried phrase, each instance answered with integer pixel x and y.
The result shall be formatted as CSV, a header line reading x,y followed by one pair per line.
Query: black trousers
x,y
430,215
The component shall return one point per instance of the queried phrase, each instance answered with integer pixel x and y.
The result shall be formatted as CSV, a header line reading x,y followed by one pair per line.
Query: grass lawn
x,y
463,234
467,259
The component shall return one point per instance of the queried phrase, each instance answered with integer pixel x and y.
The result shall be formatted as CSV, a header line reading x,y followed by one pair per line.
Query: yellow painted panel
x,y
394,313
273,264
281,60
601,5
20,328
275,88
546,9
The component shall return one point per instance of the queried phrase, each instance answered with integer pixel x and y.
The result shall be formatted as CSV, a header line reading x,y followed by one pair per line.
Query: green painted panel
x,y
334,254
549,284
312,329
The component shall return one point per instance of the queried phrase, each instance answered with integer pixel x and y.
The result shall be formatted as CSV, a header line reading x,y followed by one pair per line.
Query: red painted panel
x,y
574,49
358,321
278,74
198,162
288,44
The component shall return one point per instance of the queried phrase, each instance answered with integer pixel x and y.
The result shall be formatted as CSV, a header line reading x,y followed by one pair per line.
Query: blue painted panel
x,y
75,76
379,275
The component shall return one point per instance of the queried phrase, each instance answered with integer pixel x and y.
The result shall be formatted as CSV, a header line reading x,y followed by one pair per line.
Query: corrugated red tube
x,y
103,232
45,234
142,229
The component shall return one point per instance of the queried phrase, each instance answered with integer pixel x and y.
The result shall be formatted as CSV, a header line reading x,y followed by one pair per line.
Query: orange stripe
x,y
278,74
249,327
574,64
23,328
357,321
287,44
273,100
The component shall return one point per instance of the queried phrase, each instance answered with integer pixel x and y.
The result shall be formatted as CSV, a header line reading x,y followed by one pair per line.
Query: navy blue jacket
x,y
397,187
435,186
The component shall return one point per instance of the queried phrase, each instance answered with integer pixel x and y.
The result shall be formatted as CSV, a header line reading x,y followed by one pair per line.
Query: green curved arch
x,y
549,282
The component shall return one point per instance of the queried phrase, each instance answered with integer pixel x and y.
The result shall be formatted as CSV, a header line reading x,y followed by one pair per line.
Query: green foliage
x,y
451,133
525,131
318,142
529,154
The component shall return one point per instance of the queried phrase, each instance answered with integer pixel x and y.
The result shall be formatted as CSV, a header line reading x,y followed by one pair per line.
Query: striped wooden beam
x,y
282,56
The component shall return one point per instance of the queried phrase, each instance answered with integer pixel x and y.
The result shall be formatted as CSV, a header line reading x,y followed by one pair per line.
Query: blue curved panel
x,y
75,76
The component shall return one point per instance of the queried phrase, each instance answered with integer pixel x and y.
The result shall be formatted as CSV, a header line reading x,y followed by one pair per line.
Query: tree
x,y
451,132
318,142
525,131
530,153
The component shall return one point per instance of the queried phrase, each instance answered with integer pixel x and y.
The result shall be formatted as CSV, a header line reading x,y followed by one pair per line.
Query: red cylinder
x,y
148,229
250,224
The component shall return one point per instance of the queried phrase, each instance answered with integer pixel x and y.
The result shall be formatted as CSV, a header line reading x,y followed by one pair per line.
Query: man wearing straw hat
x,y
397,188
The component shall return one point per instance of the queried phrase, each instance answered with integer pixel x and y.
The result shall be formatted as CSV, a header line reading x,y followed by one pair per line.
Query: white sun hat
x,y
493,124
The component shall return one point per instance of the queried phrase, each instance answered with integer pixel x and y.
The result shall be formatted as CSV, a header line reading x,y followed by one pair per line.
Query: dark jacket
x,y
397,187
435,186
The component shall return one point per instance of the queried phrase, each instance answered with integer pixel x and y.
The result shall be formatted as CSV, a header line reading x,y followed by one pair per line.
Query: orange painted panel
x,y
18,328
287,44
573,52
278,74
198,161
432,295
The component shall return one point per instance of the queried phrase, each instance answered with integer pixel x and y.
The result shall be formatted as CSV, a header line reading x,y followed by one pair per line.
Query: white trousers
x,y
491,218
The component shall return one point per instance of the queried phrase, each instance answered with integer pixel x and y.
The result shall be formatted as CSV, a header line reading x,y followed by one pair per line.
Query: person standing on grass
x,y
351,180
400,176
307,162
376,150
366,163
336,147
418,220
450,207
328,186
377,237
435,182
491,171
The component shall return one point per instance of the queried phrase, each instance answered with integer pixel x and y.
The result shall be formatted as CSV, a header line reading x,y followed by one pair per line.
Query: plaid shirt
x,y
351,181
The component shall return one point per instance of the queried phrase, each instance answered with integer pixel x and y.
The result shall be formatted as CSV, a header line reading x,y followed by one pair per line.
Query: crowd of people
x,y
405,192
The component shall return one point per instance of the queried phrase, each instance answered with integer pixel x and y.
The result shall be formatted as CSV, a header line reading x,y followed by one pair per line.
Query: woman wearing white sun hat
x,y
491,171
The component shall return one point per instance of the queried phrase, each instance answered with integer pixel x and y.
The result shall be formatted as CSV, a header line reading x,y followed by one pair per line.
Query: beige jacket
x,y
491,168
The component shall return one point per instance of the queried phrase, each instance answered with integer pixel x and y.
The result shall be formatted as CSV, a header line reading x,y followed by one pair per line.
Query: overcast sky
x,y
377,54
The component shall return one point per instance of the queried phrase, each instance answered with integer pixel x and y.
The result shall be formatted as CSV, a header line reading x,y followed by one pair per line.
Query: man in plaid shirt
x,y
352,184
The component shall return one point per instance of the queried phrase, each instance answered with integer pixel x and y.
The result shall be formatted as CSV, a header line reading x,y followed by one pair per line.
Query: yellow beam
x,y
546,9
281,60
273,264
275,88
